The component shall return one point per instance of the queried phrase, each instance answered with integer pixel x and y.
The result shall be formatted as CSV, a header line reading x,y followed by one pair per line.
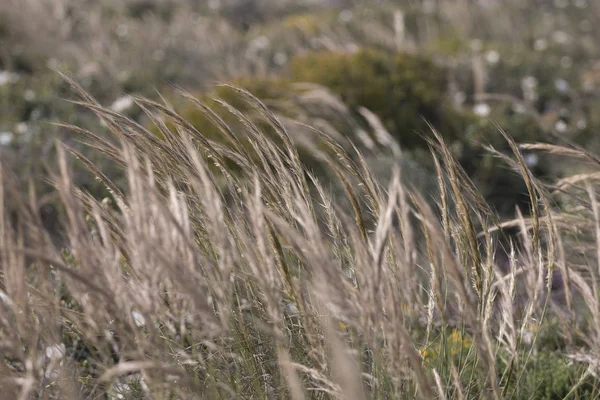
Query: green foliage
x,y
32,98
550,376
501,186
142,8
262,88
401,89
404,91
454,346
546,375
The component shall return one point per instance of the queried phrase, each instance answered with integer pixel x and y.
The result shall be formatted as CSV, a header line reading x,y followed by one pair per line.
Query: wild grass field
x,y
379,200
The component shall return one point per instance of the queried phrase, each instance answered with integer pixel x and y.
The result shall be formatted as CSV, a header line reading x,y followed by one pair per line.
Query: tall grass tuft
x,y
203,280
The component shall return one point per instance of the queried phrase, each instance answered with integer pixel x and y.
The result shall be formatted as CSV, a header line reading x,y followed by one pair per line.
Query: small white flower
x,y
561,85
8,77
561,126
531,159
5,140
561,37
29,95
52,63
260,43
582,124
482,109
519,108
527,337
540,44
292,309
530,81
280,58
56,351
138,319
122,389
122,103
492,57
5,298
529,86
21,128
122,30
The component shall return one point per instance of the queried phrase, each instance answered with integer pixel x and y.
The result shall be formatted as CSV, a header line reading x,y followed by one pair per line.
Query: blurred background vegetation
x,y
357,69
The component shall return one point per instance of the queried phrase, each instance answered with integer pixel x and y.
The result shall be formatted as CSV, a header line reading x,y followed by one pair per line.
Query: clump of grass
x,y
194,282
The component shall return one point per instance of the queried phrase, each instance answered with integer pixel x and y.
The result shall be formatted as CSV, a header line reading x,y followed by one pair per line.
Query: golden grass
x,y
267,287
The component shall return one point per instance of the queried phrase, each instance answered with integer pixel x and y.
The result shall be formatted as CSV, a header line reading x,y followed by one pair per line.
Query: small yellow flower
x,y
533,327
425,353
455,337
458,341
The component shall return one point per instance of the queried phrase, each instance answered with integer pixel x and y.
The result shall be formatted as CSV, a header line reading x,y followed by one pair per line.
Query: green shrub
x,y
141,8
454,346
263,88
401,89
550,376
502,187
404,91
546,374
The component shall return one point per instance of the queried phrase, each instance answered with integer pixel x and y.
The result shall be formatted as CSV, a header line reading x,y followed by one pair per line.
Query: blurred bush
x,y
402,90
548,374
551,376
406,93
501,186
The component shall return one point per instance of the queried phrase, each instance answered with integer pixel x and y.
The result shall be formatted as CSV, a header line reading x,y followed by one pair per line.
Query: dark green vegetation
x,y
404,91
408,94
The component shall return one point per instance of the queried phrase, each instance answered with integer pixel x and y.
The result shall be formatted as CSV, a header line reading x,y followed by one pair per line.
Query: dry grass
x,y
198,282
